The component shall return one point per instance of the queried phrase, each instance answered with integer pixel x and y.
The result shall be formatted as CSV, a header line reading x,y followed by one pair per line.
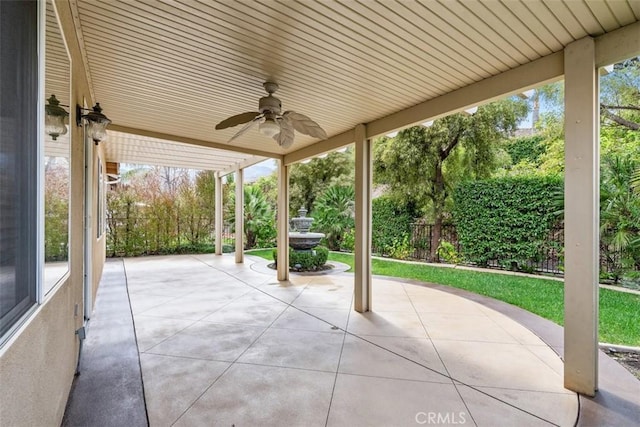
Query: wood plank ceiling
x,y
179,67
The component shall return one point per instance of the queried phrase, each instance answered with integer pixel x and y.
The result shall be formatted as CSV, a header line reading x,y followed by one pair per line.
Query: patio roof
x,y
176,69
137,149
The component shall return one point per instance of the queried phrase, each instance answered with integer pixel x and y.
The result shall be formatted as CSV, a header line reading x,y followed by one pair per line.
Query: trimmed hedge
x,y
527,148
305,260
505,219
390,225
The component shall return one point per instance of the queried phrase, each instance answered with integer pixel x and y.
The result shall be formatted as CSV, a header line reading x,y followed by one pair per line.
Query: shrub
x,y
305,260
391,225
400,248
334,210
447,253
505,219
349,241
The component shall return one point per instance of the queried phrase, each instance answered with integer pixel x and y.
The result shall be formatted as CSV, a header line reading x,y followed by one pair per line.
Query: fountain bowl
x,y
304,241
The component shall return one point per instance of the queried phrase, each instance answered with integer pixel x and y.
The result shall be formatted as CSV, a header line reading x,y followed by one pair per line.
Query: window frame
x,y
24,310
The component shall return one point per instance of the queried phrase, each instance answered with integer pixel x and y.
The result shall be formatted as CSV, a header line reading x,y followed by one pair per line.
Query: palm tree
x,y
620,214
334,211
258,215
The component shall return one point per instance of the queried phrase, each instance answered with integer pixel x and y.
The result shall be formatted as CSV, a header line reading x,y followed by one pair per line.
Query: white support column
x,y
239,215
218,211
283,221
362,259
581,210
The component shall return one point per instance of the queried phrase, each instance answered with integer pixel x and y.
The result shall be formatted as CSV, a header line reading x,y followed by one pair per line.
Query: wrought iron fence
x,y
550,257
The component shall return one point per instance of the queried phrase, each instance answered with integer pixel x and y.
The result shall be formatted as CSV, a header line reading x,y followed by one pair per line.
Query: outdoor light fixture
x,y
269,127
96,122
471,111
54,118
528,93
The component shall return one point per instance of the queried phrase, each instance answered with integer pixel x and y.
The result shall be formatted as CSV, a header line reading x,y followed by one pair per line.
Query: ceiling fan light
x,y
269,128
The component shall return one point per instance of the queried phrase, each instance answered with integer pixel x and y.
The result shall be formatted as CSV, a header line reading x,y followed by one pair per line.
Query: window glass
x,y
19,163
56,158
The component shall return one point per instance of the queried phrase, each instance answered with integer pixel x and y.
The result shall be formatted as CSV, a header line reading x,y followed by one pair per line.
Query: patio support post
x,y
218,211
581,213
283,221
362,259
239,215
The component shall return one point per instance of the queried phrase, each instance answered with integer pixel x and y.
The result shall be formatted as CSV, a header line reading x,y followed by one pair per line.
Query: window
x,y
19,174
57,153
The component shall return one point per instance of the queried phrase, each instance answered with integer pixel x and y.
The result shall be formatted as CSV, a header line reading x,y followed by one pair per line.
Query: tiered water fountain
x,y
301,239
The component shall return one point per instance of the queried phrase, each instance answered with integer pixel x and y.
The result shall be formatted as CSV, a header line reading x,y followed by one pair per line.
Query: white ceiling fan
x,y
272,123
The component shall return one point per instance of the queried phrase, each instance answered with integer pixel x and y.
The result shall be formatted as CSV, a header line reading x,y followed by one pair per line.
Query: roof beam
x,y
324,146
241,165
519,79
618,45
193,141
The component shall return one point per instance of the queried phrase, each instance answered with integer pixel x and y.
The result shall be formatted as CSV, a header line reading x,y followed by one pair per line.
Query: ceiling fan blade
x,y
304,124
285,137
248,126
237,120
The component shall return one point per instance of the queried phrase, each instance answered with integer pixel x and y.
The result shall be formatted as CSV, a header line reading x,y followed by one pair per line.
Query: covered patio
x,y
165,72
222,343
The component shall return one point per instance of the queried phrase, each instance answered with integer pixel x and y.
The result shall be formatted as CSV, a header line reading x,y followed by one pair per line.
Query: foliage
x,y
504,218
391,224
268,186
308,181
259,221
619,214
447,253
305,260
56,209
160,210
334,214
620,96
422,165
400,248
525,149
349,241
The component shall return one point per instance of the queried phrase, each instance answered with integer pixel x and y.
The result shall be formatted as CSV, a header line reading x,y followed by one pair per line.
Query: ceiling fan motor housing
x,y
270,104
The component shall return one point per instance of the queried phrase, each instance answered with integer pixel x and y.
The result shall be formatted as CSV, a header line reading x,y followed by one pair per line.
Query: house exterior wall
x,y
37,364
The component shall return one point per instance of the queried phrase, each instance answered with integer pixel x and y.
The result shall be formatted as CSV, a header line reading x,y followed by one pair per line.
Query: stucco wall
x,y
37,364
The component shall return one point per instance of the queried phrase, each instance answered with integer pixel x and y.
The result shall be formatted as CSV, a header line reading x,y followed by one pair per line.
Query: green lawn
x,y
619,312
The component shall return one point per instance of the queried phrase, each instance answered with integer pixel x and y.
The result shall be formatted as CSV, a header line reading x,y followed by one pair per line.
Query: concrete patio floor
x,y
225,344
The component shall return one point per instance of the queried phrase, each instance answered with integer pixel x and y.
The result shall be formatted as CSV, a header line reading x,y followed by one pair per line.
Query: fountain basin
x,y
304,241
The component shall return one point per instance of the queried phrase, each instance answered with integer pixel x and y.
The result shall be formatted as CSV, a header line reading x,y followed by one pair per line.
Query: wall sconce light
x,y
54,118
96,122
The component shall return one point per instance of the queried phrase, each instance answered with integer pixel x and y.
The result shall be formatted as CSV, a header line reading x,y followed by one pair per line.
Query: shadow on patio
x,y
225,344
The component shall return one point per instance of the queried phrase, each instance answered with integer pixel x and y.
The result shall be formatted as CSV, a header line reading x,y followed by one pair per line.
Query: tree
x,y
335,213
620,214
620,95
258,215
423,164
309,180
